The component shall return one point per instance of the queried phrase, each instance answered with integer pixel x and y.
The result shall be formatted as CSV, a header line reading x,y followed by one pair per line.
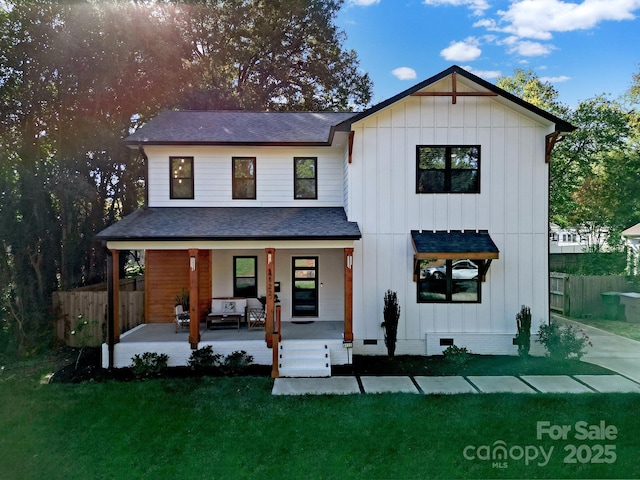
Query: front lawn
x,y
234,428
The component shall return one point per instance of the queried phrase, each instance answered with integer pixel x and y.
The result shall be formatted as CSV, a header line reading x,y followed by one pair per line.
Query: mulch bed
x,y
89,369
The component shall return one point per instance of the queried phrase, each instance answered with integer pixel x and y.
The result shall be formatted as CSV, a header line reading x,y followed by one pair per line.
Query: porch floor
x,y
165,332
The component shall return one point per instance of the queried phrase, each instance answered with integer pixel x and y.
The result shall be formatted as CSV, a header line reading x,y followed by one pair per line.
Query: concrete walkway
x,y
618,354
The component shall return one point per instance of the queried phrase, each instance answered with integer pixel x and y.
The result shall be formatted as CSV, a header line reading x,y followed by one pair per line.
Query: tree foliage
x,y
594,170
78,77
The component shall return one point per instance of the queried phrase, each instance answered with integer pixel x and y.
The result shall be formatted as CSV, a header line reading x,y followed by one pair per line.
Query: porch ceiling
x,y
233,224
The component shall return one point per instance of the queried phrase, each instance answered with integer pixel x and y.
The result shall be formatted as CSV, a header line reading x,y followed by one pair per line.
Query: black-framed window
x,y
449,281
305,178
304,301
448,169
245,277
244,178
181,172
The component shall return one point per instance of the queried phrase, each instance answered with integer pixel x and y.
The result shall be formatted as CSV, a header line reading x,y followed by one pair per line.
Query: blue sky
x,y
583,47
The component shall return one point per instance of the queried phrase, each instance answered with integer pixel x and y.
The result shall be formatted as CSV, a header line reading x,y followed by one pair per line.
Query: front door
x,y
305,287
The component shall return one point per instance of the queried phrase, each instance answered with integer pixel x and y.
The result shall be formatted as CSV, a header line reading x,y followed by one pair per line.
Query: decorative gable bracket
x,y
454,93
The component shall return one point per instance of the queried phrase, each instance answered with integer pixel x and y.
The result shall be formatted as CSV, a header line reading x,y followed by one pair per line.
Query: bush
x,y
456,355
391,314
563,342
204,358
236,362
148,364
523,339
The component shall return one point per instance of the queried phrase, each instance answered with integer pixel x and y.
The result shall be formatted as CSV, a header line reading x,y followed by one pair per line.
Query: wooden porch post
x,y
113,303
270,305
194,310
348,294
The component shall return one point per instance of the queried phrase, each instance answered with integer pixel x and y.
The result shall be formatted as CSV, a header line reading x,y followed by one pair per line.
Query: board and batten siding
x,y
274,176
512,206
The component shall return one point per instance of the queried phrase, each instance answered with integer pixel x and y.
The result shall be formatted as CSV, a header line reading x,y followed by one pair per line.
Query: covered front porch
x,y
301,265
162,338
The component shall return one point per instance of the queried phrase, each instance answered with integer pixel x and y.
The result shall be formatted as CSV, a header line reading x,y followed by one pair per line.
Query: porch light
x,y
349,261
192,263
269,257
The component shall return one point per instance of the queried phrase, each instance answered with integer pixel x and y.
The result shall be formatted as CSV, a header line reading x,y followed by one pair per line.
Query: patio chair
x,y
257,318
182,318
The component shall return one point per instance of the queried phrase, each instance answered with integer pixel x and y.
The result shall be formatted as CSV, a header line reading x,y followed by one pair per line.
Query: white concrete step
x,y
304,359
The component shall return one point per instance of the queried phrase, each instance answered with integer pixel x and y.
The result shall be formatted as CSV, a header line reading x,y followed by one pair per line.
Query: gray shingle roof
x,y
238,127
234,223
454,244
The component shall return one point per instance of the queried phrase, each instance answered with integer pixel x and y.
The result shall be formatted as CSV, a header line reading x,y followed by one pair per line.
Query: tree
x,y
527,85
269,55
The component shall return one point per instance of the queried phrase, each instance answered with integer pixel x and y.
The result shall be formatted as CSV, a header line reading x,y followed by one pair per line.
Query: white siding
x,y
512,206
274,176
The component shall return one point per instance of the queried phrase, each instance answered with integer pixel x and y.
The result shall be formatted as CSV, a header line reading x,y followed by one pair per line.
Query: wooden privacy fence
x,y
580,295
76,307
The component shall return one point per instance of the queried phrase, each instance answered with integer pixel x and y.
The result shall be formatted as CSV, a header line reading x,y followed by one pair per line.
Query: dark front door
x,y
305,286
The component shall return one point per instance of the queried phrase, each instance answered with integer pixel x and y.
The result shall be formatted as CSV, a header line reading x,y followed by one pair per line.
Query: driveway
x,y
619,354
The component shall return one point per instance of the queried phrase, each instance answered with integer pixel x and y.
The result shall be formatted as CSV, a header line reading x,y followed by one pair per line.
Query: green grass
x,y
234,428
622,328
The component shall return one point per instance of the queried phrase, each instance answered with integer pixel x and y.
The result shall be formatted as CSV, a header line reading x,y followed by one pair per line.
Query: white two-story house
x,y
439,194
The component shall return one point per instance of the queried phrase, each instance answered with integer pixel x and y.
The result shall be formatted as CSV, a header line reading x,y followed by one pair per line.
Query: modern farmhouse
x,y
439,194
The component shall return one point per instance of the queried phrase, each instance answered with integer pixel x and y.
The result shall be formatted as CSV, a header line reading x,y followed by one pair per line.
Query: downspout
x,y
142,153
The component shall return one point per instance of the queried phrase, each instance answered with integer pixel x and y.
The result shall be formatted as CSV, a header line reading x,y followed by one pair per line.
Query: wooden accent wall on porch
x,y
167,273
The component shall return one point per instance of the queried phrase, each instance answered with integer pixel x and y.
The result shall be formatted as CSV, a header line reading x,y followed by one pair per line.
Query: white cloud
x,y
404,73
464,51
538,19
486,74
477,6
559,79
363,3
527,48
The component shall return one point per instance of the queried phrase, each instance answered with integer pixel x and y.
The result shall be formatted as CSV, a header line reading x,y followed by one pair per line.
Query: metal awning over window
x,y
454,245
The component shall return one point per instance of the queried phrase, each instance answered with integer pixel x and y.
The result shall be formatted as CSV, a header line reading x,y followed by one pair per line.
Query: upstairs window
x,y
305,182
244,178
181,171
448,169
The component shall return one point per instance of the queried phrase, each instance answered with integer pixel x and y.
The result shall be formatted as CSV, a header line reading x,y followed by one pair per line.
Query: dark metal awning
x,y
454,244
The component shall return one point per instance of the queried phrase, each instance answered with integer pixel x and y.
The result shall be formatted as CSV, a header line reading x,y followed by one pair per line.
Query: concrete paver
x,y
388,384
610,383
500,384
555,384
315,386
444,385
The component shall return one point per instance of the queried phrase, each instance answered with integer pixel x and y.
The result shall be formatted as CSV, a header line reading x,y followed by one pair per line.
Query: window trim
x,y
296,179
447,170
236,292
449,285
233,178
172,195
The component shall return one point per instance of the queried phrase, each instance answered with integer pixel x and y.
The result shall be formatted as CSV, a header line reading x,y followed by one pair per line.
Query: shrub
x,y
204,358
236,362
456,355
391,314
563,342
523,339
148,364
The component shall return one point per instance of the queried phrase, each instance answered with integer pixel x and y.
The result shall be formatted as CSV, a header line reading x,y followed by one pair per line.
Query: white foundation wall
x,y
512,205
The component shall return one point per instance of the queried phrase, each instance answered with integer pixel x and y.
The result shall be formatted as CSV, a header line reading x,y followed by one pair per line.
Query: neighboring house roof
x,y
632,231
560,125
454,244
233,223
224,127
